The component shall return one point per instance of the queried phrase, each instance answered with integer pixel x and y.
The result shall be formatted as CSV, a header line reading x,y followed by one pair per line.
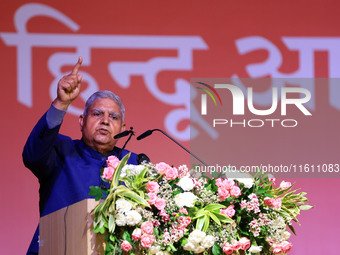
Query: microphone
x,y
142,158
145,134
122,134
149,132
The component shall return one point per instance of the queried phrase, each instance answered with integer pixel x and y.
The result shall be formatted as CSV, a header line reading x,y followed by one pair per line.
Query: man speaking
x,y
66,168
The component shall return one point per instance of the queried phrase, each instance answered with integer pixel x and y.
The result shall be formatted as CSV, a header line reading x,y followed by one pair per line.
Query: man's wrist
x,y
54,116
60,105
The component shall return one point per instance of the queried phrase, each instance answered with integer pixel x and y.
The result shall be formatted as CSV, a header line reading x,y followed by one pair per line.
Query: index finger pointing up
x,y
77,66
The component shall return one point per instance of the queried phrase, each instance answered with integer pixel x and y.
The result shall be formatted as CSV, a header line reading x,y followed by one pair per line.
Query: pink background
x,y
218,25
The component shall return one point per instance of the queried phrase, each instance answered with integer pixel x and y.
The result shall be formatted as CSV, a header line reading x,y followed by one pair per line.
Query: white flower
x,y
199,249
186,183
244,178
185,199
123,205
133,217
133,169
163,253
154,249
120,219
255,249
286,235
189,246
197,236
208,241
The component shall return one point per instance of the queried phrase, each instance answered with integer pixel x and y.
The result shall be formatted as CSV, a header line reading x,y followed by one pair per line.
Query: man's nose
x,y
105,119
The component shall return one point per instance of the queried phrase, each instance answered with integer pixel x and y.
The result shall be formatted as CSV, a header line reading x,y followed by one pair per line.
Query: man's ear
x,y
123,127
81,122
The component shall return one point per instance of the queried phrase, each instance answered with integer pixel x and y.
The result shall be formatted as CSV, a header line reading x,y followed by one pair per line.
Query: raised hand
x,y
68,87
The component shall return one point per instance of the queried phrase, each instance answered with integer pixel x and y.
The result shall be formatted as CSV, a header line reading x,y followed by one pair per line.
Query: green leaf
x,y
122,191
184,241
224,218
214,207
305,207
126,236
214,218
206,223
96,192
292,229
112,224
214,174
216,249
200,223
200,213
112,238
116,175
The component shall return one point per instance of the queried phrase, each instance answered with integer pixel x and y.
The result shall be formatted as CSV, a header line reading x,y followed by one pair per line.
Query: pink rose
x,y
277,203
160,203
228,184
285,185
153,198
223,194
137,234
108,173
229,211
235,191
277,249
245,243
228,248
112,161
219,182
152,187
147,240
268,201
171,174
147,227
162,167
236,245
286,246
125,245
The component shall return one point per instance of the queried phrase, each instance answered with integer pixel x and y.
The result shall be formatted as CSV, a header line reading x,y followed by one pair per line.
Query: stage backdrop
x,y
147,52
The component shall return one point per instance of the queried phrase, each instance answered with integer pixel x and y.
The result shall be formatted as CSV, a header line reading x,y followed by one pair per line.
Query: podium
x,y
68,231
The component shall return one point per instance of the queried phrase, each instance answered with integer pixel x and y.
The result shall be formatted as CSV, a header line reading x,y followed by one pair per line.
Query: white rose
x,y
255,249
120,219
208,241
123,205
185,199
133,217
286,235
197,236
242,177
186,183
134,170
189,246
154,249
199,249
137,169
163,253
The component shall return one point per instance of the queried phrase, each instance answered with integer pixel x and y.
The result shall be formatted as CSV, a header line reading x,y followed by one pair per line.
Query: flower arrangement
x,y
159,209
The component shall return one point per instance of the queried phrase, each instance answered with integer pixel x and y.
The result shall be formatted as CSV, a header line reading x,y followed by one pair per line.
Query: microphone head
x,y
142,158
122,134
145,134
